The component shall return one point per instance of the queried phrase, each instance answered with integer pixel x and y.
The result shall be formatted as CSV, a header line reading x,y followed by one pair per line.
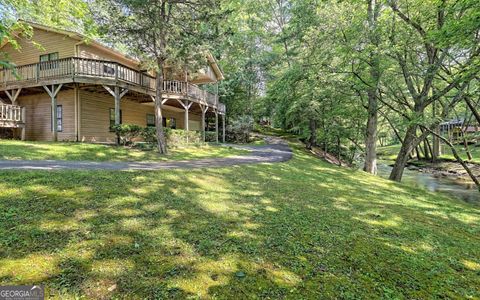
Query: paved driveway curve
x,y
276,152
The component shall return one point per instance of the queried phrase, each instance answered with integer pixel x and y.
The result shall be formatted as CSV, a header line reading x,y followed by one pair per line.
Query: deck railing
x,y
77,67
190,90
12,113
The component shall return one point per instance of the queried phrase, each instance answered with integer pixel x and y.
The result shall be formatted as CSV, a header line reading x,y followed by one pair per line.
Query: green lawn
x,y
475,151
10,149
297,230
390,152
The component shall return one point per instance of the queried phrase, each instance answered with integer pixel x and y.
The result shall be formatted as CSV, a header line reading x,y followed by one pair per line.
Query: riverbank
x,y
446,166
444,176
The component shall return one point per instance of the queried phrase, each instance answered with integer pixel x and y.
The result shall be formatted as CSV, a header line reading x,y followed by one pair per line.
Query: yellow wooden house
x,y
73,90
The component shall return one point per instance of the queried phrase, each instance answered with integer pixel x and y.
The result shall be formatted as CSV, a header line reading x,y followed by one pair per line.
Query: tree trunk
x,y
428,149
465,141
339,147
418,151
407,146
370,166
436,141
371,136
472,108
465,144
312,140
161,144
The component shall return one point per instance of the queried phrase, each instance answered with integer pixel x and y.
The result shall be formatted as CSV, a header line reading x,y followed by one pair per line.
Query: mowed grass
x,y
296,230
391,152
474,150
16,150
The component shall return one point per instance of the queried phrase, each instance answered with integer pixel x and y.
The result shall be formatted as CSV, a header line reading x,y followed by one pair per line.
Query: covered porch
x,y
105,78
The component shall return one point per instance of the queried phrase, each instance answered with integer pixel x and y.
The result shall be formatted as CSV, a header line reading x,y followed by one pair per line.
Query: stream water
x,y
459,188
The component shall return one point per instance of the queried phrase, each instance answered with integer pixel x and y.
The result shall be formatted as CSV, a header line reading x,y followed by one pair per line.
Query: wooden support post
x,y
223,128
13,95
53,92
75,111
24,120
117,105
216,125
204,109
216,95
117,94
186,118
54,118
186,106
163,101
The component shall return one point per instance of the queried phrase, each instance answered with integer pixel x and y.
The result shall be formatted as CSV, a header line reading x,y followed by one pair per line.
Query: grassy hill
x,y
302,229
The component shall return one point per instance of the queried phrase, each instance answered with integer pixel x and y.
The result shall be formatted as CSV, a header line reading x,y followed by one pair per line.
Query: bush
x,y
174,137
240,128
149,135
178,137
210,136
127,132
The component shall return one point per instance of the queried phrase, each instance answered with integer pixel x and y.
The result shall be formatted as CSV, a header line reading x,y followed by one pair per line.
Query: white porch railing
x,y
12,113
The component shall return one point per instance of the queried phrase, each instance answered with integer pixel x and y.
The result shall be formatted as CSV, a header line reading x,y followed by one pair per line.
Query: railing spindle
x,y
77,67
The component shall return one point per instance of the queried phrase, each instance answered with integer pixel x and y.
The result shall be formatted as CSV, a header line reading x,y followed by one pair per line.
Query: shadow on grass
x,y
18,150
301,229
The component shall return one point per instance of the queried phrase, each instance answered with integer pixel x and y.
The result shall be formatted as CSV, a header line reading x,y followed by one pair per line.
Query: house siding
x,y
49,42
29,53
95,118
92,52
38,116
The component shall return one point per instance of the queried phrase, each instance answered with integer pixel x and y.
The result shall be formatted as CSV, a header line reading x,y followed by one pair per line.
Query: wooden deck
x,y
12,116
11,113
91,71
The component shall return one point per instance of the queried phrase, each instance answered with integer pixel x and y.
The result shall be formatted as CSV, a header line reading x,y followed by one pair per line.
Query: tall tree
x,y
373,11
160,32
435,65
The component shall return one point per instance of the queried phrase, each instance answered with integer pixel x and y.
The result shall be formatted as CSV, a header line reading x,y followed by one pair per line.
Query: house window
x,y
172,123
166,122
49,61
59,119
150,120
112,119
169,123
